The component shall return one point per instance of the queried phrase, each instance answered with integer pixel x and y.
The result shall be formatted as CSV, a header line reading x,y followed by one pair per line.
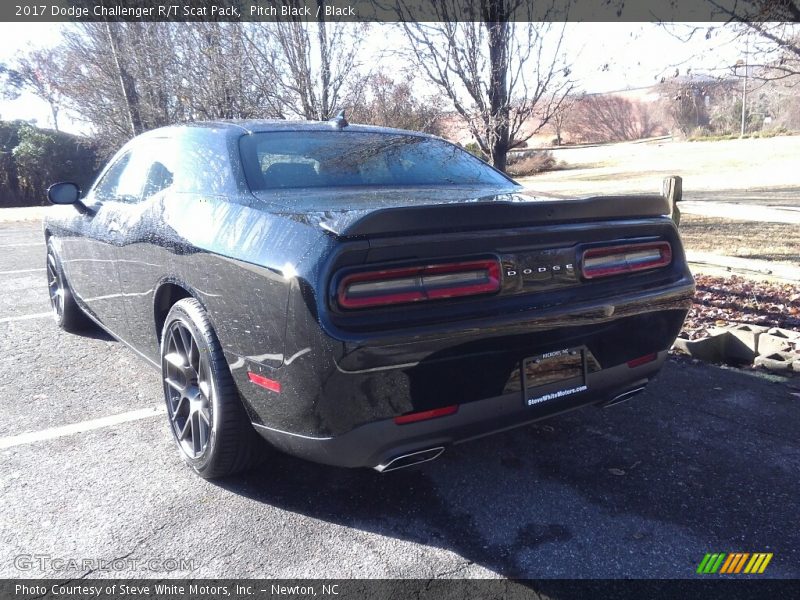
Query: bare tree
x,y
608,118
684,101
123,78
38,72
498,73
775,48
381,100
772,48
560,117
773,29
308,65
126,81
220,78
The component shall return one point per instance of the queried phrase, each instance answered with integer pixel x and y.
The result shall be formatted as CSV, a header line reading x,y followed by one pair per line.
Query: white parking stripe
x,y
22,245
56,432
21,271
26,317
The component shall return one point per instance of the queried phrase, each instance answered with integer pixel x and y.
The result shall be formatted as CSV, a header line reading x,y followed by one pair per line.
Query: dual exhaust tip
x,y
422,456
410,459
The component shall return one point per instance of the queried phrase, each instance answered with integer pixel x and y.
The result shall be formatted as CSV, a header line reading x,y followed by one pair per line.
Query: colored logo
x,y
734,563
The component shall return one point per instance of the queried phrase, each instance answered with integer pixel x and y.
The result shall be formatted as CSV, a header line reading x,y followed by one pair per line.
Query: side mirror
x,y
64,193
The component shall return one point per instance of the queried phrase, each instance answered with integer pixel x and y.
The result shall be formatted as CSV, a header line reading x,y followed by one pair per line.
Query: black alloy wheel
x,y
188,390
66,312
206,415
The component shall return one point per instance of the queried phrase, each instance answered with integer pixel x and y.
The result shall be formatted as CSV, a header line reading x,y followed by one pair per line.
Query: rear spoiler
x,y
451,217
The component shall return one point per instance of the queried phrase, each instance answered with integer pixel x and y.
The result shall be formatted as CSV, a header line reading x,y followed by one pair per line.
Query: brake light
x,y
415,284
630,258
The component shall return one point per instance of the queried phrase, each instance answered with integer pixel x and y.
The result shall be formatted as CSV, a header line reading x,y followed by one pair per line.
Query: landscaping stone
x,y
778,340
778,361
745,344
707,349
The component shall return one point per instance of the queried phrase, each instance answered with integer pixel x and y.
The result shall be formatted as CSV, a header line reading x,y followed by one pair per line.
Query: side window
x,y
131,180
106,188
139,174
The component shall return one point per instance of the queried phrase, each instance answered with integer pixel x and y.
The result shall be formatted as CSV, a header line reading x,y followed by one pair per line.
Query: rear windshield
x,y
301,159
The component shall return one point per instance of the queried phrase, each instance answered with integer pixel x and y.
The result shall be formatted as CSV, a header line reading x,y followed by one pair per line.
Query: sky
x,y
605,56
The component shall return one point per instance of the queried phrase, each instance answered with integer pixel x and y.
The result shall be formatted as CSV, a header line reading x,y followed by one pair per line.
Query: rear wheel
x,y
66,312
206,416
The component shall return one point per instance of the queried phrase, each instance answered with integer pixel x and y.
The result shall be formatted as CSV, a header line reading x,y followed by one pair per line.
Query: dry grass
x,y
763,241
704,166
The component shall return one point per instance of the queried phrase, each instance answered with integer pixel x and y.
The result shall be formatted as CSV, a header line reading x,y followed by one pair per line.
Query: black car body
x,y
373,323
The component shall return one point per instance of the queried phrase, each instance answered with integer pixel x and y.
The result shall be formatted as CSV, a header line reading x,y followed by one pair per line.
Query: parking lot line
x,y
64,430
21,271
22,245
26,317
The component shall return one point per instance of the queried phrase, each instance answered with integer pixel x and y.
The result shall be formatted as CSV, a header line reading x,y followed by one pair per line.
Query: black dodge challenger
x,y
359,296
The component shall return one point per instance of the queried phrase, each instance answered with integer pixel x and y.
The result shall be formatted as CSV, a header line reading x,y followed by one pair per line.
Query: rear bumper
x,y
377,443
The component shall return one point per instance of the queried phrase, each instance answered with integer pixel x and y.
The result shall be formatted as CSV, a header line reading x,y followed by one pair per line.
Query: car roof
x,y
240,127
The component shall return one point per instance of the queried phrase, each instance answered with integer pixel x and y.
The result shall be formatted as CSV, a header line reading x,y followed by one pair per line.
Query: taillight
x,y
642,360
630,258
425,415
415,284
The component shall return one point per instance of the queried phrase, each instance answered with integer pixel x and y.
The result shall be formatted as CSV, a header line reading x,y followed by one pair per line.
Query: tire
x,y
206,417
66,312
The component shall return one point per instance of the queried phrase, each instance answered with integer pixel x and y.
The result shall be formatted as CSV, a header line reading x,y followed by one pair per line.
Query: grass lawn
x,y
704,166
778,242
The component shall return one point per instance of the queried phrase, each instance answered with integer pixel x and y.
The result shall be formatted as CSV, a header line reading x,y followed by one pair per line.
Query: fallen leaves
x,y
721,301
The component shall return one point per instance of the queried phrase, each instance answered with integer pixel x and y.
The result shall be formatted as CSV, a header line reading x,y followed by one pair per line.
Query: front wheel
x,y
66,312
206,416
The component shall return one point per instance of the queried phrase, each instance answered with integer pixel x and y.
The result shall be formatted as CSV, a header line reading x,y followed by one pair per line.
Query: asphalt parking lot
x,y
707,460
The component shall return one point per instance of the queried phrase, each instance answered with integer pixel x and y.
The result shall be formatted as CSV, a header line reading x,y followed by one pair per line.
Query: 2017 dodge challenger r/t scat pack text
x,y
359,296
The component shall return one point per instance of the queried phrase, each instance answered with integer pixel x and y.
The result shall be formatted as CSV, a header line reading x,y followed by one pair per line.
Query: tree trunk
x,y
499,32
127,84
325,65
54,112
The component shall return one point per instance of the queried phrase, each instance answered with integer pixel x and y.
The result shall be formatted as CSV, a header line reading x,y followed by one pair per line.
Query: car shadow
x,y
705,461
92,330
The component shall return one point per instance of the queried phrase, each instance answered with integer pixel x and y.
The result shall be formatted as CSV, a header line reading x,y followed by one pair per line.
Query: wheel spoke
x,y
193,354
176,360
197,444
176,410
186,427
174,384
186,342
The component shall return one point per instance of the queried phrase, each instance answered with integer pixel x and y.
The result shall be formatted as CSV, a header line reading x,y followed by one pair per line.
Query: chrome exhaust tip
x,y
622,397
410,459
